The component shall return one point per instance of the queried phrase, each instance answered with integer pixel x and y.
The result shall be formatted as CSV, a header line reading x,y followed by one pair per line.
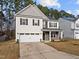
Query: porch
x,y
51,35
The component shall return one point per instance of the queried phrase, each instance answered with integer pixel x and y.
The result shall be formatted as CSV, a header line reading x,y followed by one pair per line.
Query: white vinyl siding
x,y
72,25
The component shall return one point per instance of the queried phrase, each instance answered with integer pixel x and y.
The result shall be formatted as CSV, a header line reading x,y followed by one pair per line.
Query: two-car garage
x,y
32,37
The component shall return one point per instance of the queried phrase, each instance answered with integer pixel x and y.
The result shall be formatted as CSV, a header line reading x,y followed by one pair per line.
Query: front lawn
x,y
69,46
9,50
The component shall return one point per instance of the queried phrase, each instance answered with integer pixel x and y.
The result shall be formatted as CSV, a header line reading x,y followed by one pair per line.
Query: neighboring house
x,y
33,26
66,27
69,27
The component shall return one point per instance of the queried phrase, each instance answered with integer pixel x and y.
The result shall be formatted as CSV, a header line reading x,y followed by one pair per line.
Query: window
x,y
35,22
32,33
23,21
44,24
37,33
52,24
27,33
77,25
76,32
21,33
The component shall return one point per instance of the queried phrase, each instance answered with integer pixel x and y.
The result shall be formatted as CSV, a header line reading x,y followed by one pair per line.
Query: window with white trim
x,y
21,33
52,24
35,22
77,25
27,33
37,33
23,21
76,32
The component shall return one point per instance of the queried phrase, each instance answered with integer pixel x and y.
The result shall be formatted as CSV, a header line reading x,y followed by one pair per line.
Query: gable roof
x,y
32,11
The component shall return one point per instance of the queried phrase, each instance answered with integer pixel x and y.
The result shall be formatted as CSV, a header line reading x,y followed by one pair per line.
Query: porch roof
x,y
51,29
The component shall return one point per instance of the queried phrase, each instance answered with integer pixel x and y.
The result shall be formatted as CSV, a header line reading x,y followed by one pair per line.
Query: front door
x,y
45,36
54,35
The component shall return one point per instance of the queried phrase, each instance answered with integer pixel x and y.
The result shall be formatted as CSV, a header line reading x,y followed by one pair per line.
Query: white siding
x,y
72,25
29,28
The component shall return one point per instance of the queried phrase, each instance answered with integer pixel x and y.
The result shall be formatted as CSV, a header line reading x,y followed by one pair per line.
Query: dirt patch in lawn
x,y
9,50
69,46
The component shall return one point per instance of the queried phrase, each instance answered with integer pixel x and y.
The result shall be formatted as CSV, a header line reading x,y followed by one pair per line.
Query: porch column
x,y
58,35
50,35
62,34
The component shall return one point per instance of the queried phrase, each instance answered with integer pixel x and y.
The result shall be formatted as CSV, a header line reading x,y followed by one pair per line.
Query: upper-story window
x,y
77,25
35,22
44,24
23,21
52,24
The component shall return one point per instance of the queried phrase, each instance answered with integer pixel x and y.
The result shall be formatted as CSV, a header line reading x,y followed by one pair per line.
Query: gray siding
x,y
65,26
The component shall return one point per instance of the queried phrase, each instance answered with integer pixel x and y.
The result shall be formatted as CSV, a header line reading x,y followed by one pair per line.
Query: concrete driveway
x,y
42,51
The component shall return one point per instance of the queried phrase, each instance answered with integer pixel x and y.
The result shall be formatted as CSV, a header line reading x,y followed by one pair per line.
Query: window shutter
x,y
38,23
20,21
33,22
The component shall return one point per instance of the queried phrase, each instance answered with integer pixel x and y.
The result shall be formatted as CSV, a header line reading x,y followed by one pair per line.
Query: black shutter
x,y
20,21
38,23
26,21
33,22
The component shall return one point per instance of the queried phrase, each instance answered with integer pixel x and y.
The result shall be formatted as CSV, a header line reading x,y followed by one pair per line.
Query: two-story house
x,y
33,26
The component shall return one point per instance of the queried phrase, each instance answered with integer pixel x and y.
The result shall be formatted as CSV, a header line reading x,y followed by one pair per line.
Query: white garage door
x,y
30,38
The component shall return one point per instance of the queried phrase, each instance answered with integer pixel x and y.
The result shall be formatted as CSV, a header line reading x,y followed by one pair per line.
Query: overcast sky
x,y
70,6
